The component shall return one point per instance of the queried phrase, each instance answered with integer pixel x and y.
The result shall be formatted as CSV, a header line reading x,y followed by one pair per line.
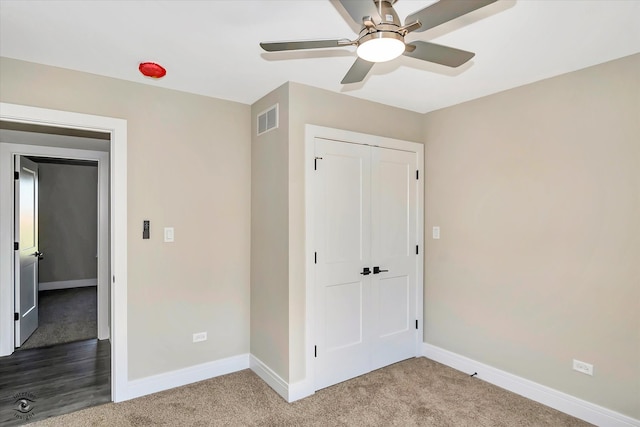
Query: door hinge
x,y
417,251
315,163
16,317
416,323
315,257
16,246
315,351
16,175
417,174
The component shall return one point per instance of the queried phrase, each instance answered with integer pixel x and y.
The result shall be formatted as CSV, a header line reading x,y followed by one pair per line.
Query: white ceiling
x,y
211,47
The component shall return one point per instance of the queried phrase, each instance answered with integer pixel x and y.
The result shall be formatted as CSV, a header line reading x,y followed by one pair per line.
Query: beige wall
x,y
309,105
189,168
537,193
269,243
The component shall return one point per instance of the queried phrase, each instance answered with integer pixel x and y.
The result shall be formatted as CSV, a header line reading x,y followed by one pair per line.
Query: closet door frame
x,y
307,386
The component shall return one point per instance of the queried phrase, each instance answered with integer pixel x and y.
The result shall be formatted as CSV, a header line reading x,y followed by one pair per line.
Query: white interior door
x,y
27,254
343,294
393,252
365,216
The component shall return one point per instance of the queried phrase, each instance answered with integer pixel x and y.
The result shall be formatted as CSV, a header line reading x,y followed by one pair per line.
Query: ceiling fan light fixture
x,y
380,46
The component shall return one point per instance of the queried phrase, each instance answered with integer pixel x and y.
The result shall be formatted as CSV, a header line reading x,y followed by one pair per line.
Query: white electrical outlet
x,y
200,336
585,368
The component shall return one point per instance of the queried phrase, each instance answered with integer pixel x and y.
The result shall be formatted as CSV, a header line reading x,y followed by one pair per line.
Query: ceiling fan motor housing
x,y
385,25
387,15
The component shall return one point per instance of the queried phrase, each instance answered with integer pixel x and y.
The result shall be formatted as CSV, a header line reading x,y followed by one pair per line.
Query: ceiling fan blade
x,y
439,54
444,11
358,9
302,44
357,72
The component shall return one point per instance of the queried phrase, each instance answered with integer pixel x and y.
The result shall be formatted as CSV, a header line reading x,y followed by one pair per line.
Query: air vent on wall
x,y
268,119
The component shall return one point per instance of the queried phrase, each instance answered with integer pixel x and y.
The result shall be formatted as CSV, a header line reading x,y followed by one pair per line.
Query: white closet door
x,y
364,218
393,243
342,233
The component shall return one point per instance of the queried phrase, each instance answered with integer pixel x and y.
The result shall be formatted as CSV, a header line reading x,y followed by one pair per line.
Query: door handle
x,y
366,271
377,270
39,255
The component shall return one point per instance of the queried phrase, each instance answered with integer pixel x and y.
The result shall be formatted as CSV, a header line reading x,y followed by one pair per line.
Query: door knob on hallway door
x,y
38,254
377,270
366,271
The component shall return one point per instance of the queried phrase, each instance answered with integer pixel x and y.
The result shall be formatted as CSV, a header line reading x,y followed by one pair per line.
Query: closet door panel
x,y
342,234
393,239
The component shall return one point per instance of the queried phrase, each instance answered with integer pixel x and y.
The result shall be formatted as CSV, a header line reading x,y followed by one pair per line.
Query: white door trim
x,y
8,150
118,220
312,132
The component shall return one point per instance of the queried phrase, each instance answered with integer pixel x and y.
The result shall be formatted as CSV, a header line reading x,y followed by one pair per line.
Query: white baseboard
x,y
272,379
563,402
289,392
66,284
300,390
180,377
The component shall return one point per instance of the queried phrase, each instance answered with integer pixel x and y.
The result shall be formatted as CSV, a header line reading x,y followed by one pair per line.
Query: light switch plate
x,y
436,232
168,234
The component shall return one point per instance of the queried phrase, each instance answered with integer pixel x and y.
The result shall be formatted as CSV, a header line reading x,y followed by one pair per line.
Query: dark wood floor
x,y
44,382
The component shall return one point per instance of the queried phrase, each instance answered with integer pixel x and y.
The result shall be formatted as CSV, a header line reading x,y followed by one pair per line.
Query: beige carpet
x,y
416,392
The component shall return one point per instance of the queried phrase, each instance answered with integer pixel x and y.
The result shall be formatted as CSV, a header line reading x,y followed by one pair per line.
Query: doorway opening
x,y
67,240
112,249
34,150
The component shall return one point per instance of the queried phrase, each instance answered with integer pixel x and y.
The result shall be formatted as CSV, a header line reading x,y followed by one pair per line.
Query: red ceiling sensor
x,y
153,70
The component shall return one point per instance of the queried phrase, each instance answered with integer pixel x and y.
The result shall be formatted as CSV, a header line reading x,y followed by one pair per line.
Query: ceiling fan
x,y
381,38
